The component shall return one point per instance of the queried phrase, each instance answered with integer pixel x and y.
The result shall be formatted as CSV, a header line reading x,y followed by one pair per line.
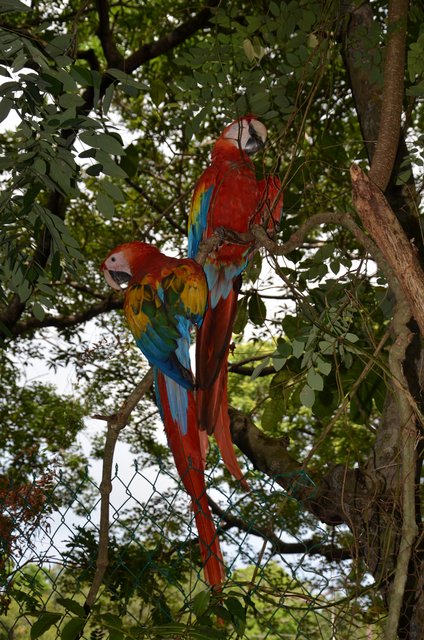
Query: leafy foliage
x,y
105,143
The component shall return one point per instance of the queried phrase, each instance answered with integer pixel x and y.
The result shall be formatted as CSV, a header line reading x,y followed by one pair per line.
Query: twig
x,y
115,423
365,371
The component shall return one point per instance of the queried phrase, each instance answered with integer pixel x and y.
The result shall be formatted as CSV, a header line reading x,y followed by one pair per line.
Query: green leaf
x,y
72,605
109,166
104,141
314,380
278,361
238,613
129,162
323,366
7,6
59,44
284,348
73,628
351,337
259,368
107,98
242,316
5,106
248,49
56,267
298,348
113,191
254,268
260,103
69,100
257,309
326,347
335,266
273,413
279,387
94,169
201,602
105,205
112,620
38,311
127,80
158,91
307,396
81,74
46,620
167,630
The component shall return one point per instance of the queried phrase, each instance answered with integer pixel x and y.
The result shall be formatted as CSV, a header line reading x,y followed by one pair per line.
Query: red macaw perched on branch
x,y
163,297
227,195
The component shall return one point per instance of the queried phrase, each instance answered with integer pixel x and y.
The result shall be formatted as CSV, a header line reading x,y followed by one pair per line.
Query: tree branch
x,y
171,39
359,55
115,423
63,321
407,440
311,546
398,252
270,455
392,98
113,57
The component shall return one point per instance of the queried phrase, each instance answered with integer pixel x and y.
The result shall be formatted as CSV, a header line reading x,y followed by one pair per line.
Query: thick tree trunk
x,y
389,516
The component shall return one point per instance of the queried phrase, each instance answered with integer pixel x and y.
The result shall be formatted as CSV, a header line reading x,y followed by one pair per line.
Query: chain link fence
x,y
280,584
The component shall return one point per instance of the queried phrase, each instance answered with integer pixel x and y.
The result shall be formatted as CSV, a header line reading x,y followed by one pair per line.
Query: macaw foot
x,y
228,235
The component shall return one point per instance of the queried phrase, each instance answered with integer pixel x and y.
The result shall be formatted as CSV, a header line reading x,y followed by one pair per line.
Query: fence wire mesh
x,y
278,585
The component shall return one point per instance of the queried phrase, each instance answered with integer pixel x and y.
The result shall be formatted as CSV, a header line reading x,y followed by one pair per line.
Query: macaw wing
x,y
159,334
185,291
198,216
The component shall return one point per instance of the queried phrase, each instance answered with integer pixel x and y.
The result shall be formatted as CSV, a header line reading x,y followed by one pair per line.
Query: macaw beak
x,y
117,279
254,143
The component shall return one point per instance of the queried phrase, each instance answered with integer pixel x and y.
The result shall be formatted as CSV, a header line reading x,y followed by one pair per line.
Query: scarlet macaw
x,y
163,297
227,195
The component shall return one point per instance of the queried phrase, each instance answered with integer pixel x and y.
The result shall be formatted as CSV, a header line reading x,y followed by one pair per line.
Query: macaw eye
x,y
113,259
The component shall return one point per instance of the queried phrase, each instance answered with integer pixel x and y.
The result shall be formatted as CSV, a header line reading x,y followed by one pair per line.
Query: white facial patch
x,y
242,131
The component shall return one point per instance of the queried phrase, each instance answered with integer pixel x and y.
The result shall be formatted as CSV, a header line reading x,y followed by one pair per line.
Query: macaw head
x,y
246,134
126,262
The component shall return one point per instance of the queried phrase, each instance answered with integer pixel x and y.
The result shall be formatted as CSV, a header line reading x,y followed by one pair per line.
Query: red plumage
x,y
227,195
187,452
164,296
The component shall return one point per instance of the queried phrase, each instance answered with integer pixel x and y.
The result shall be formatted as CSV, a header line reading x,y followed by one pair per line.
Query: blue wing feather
x,y
198,218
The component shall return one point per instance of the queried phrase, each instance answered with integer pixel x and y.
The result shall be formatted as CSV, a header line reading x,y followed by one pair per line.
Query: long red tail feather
x,y
189,460
213,403
214,337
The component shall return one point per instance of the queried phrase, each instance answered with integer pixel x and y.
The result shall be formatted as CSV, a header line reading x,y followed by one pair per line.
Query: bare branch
x,y
270,455
171,39
113,57
310,546
392,98
397,251
63,321
115,423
